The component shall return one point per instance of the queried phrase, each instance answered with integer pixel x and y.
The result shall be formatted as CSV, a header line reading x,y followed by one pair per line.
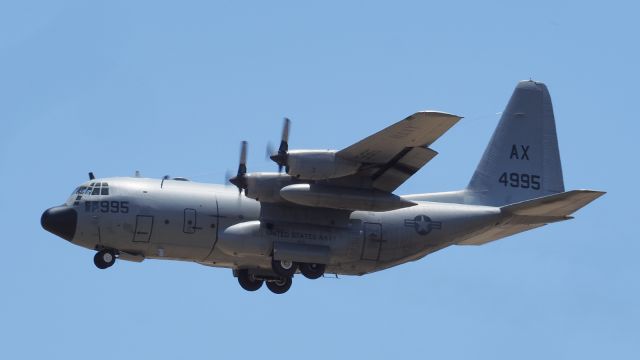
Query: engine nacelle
x,y
319,165
343,198
266,187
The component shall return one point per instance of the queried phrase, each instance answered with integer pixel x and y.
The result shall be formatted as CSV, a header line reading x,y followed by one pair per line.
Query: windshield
x,y
90,191
97,188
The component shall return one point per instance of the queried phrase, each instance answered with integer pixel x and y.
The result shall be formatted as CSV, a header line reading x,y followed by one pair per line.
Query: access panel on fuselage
x,y
372,240
144,225
189,225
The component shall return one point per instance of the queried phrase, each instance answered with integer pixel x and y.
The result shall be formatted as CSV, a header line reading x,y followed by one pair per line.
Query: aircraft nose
x,y
61,221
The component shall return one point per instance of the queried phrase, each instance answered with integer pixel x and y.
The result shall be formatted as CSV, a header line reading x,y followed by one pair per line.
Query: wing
x,y
384,160
390,156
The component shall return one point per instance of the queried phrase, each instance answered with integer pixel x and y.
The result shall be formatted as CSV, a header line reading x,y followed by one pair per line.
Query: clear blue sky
x,y
113,87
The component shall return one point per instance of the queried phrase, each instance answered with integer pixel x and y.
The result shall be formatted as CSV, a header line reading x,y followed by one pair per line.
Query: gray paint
x,y
214,225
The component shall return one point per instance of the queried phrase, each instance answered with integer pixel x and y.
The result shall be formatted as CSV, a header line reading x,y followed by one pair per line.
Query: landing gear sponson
x,y
279,282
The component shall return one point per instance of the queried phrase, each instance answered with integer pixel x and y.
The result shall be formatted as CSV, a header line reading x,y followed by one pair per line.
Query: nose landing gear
x,y
104,258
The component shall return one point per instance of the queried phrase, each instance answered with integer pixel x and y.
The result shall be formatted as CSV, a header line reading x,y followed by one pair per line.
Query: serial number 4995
x,y
517,180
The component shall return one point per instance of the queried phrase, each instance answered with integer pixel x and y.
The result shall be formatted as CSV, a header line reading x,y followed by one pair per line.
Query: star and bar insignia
x,y
423,224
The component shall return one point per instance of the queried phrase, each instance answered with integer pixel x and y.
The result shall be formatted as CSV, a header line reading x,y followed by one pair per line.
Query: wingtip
x,y
440,113
598,192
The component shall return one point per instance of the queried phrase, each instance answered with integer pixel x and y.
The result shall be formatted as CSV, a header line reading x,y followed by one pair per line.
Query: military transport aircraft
x,y
332,211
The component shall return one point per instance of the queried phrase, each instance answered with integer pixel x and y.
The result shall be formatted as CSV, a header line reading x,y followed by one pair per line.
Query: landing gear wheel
x,y
280,286
284,268
248,281
312,271
104,259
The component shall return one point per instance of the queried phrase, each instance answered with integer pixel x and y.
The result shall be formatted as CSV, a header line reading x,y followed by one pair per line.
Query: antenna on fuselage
x,y
91,176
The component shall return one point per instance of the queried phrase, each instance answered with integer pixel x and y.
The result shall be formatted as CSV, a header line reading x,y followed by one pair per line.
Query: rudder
x,y
522,160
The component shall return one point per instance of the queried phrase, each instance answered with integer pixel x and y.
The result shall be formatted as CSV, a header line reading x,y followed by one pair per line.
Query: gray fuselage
x,y
184,220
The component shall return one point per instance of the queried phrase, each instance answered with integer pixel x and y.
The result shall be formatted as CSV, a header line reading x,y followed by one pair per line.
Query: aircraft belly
x,y
372,241
412,233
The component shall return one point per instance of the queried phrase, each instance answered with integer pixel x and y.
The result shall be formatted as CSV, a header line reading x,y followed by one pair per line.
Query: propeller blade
x,y
270,150
227,176
285,130
281,156
284,140
242,168
240,180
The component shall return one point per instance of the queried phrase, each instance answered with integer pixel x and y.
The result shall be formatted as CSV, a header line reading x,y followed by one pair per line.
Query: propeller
x,y
227,177
240,180
281,157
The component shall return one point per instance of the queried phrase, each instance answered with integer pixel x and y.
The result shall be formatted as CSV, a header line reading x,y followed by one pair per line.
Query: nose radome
x,y
61,221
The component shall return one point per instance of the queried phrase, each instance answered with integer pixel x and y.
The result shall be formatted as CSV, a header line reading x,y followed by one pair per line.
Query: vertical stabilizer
x,y
522,160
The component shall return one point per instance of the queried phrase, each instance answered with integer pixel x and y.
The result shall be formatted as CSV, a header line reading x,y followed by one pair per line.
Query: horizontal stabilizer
x,y
530,214
557,205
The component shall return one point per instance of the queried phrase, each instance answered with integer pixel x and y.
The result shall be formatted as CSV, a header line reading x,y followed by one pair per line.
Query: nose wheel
x,y
104,259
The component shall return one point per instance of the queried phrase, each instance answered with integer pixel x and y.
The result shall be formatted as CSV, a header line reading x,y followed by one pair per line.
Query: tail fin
x,y
522,160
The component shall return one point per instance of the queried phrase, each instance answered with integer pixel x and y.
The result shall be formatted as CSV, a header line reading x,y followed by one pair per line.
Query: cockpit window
x,y
88,192
95,188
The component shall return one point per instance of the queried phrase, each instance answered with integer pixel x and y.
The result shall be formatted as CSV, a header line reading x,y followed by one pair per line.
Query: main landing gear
x,y
312,271
283,271
249,281
104,258
284,268
280,286
253,282
287,268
